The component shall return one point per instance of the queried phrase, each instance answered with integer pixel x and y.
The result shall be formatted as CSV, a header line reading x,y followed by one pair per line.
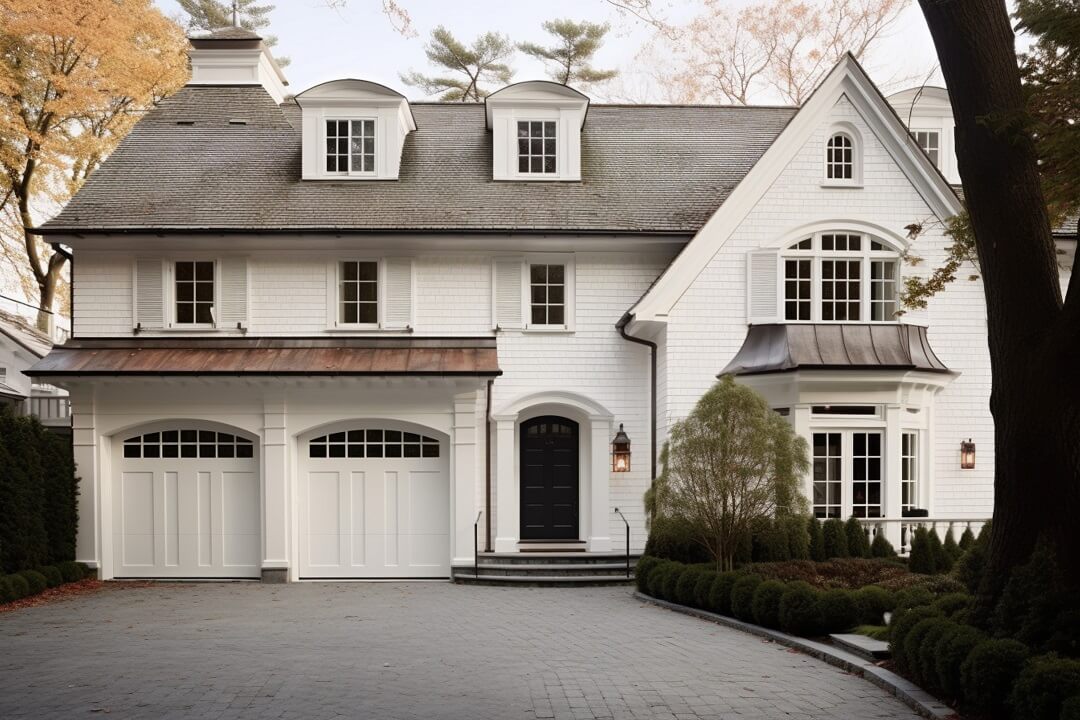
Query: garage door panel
x,y
428,523
390,508
171,527
137,519
240,518
357,538
204,519
323,519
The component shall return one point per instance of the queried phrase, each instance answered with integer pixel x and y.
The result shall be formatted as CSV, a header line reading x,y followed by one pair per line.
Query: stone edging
x,y
907,692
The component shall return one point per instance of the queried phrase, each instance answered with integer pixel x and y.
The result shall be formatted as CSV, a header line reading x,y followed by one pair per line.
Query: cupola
x,y
235,56
353,130
536,131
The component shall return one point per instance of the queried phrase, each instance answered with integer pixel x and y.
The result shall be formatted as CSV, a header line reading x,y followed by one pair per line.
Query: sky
x,y
359,41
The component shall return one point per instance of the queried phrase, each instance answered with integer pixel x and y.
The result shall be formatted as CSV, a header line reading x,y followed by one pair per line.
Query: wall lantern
x,y
620,451
967,455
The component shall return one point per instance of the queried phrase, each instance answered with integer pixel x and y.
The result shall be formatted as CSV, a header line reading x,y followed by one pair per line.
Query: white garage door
x,y
186,505
374,503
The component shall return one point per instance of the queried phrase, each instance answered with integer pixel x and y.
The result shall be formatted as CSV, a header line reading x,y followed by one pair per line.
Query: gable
x,y
847,94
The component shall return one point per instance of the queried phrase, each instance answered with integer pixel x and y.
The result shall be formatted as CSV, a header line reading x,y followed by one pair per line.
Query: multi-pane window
x,y
840,289
350,146
547,294
828,481
930,142
840,158
188,444
194,287
883,290
359,292
909,470
866,474
797,289
375,443
537,147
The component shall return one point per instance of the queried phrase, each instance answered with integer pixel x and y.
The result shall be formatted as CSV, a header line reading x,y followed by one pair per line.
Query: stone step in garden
x,y
862,645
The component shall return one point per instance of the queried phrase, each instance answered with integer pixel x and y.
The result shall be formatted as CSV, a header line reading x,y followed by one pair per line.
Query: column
x,y
893,495
275,489
599,487
463,503
508,516
84,441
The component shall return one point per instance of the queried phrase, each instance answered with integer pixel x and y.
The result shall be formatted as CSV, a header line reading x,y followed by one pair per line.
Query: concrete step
x,y
862,646
467,578
564,569
555,558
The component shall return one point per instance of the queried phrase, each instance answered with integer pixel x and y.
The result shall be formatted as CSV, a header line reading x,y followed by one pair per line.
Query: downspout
x,y
621,327
71,284
487,469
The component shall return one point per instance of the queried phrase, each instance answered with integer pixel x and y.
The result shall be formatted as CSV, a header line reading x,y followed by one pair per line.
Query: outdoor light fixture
x,y
967,455
620,451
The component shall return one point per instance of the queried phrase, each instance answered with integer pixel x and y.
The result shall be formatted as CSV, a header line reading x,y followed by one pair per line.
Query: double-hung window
x,y
537,147
358,292
840,277
193,290
547,295
350,147
930,142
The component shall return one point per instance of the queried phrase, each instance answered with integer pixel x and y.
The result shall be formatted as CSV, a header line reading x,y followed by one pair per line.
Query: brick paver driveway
x,y
420,650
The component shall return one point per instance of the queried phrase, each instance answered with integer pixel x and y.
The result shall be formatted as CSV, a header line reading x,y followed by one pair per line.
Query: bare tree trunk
x,y
1034,339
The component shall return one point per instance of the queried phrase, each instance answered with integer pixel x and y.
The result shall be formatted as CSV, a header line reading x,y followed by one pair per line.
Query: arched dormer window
x,y
843,157
840,277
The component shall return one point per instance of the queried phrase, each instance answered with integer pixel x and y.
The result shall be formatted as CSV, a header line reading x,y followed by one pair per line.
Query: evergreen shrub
x,y
799,612
838,611
988,673
835,538
1044,686
766,603
742,597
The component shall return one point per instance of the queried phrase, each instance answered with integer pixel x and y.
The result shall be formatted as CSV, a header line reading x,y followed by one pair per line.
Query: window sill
x,y
850,184
541,330
367,329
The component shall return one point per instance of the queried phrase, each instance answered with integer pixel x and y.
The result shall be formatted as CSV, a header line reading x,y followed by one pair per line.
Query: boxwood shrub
x,y
645,565
20,588
671,581
881,547
799,612
52,575
952,649
1070,709
914,596
35,580
924,659
766,603
817,539
658,576
858,544
835,538
1044,686
742,597
988,673
838,611
902,626
720,592
702,587
913,642
871,604
952,603
7,593
684,588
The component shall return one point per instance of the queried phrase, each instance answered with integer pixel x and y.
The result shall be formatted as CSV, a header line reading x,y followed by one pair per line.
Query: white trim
x,y
567,260
334,294
510,411
846,79
855,137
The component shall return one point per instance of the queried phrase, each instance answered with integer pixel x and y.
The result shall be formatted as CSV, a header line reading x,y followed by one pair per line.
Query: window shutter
x,y
149,304
762,287
399,292
508,293
232,305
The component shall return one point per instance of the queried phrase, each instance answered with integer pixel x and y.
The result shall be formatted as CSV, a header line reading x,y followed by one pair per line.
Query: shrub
x,y
769,542
924,658
943,562
951,548
858,545
86,571
687,583
1070,709
7,593
52,575
766,603
913,641
1033,600
795,528
912,597
835,538
871,604
73,571
656,579
35,580
671,582
987,674
838,610
922,559
968,570
846,573
1043,687
877,632
901,627
952,603
720,592
817,539
671,539
20,588
967,539
953,647
799,612
742,597
701,588
881,547
644,566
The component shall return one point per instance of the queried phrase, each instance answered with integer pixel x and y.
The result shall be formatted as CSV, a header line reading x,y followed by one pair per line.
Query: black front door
x,y
549,479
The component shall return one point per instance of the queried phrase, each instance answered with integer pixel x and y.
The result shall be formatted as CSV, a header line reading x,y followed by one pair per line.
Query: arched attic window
x,y
843,157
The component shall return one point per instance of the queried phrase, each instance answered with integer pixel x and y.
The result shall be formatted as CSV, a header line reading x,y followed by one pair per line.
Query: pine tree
x,y
484,60
817,540
210,15
569,58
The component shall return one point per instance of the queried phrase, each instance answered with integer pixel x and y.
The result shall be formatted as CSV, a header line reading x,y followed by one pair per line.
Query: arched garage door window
x,y
180,443
373,444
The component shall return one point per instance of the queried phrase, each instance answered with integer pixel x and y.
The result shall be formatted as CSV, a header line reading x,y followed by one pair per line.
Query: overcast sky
x,y
326,44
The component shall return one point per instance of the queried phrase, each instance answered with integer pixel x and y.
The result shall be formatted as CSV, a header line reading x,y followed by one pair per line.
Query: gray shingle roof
x,y
662,169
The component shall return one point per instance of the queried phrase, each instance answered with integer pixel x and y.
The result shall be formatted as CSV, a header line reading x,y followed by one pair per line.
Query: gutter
x,y
487,469
621,327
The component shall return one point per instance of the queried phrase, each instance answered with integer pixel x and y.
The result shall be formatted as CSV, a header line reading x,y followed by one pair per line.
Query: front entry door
x,y
549,479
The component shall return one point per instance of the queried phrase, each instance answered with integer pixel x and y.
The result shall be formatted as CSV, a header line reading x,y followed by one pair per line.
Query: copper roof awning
x,y
271,356
779,348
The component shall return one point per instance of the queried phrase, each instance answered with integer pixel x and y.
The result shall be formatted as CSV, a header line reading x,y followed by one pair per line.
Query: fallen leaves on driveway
x,y
70,590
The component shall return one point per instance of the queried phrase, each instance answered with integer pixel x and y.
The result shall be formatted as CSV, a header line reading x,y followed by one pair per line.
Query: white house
x,y
345,335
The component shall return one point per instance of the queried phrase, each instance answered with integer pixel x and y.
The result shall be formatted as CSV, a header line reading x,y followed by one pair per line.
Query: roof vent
x,y
185,122
237,121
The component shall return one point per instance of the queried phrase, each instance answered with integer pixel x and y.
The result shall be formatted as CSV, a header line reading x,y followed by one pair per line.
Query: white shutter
x,y
762,287
399,293
232,304
149,303
507,295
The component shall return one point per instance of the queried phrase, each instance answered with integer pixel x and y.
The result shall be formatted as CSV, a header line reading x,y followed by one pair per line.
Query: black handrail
x,y
627,540
476,546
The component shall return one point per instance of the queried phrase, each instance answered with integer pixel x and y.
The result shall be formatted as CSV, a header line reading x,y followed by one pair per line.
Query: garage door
x,y
186,505
374,503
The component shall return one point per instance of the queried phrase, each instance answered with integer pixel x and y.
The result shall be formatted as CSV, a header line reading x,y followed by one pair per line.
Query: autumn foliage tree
x,y
75,76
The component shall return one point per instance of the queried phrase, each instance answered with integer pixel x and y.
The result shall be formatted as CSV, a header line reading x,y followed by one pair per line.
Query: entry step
x,y
862,645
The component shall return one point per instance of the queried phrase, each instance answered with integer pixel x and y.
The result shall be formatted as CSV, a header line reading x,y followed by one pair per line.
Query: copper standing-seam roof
x,y
272,356
777,348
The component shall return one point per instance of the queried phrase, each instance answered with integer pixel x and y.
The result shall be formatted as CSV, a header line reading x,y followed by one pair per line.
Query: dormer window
x,y
350,146
537,146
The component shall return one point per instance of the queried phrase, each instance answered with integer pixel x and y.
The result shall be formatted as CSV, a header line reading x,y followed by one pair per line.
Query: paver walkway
x,y
419,650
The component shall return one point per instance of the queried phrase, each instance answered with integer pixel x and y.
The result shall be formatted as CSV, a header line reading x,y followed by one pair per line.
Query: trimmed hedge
x,y
901,626
952,649
645,565
7,593
988,673
924,659
858,544
835,538
31,582
673,540
766,603
742,597
881,547
671,581
720,592
817,540
838,611
19,587
702,588
53,577
35,580
871,604
73,571
1044,686
658,577
686,586
799,612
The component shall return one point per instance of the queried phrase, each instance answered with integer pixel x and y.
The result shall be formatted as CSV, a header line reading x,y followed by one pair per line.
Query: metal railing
x,y
50,409
899,531
619,513
476,545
